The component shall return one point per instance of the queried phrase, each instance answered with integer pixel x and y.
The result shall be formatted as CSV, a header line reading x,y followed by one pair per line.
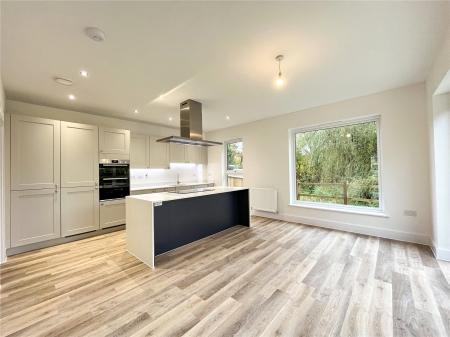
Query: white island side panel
x,y
139,229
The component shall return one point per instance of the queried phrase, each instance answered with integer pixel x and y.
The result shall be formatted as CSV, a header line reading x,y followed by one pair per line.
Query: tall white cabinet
x,y
54,179
79,178
35,177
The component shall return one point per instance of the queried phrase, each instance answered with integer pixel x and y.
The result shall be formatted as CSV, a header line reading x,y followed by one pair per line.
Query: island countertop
x,y
168,196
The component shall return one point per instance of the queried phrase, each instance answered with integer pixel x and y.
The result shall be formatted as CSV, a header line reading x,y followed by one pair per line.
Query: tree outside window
x,y
338,165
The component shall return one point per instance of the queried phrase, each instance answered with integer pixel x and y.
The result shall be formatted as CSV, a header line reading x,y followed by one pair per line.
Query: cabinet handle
x,y
96,185
56,188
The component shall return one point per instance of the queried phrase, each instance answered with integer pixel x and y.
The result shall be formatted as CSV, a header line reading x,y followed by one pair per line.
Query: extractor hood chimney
x,y
190,126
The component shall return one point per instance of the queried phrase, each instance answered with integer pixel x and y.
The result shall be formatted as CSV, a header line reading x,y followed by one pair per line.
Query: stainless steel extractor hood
x,y
191,130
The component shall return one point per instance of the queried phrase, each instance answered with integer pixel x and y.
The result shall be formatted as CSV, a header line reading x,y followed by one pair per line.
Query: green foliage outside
x,y
234,156
338,165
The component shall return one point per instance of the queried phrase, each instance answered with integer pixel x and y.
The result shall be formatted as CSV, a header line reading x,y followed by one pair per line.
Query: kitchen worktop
x,y
166,185
168,196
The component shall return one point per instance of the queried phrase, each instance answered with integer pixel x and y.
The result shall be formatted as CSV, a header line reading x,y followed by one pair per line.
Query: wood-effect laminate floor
x,y
274,279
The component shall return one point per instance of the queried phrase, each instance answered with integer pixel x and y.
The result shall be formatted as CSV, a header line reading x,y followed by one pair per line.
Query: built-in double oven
x,y
114,177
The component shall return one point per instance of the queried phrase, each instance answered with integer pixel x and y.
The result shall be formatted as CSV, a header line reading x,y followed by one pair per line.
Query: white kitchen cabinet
x,y
79,210
35,216
79,155
139,151
177,153
114,142
204,156
158,153
112,213
193,154
35,153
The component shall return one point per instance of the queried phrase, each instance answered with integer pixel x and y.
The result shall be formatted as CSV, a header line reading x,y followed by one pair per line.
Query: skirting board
x,y
440,253
347,227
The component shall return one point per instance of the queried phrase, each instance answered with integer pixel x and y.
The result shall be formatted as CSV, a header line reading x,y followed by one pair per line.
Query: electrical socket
x,y
409,212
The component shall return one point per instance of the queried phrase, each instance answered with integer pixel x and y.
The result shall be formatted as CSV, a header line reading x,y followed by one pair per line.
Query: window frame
x,y
330,206
235,171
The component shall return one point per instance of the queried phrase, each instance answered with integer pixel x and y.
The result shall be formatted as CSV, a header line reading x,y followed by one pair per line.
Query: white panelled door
x,y
35,153
114,141
177,153
139,151
79,155
158,153
79,210
35,216
79,178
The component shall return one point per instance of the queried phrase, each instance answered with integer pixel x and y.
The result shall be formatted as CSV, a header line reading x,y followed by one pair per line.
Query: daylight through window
x,y
337,165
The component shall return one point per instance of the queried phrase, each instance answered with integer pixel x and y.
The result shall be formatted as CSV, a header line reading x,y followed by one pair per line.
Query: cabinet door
x,y
204,156
79,155
112,213
139,151
194,154
35,216
177,153
35,153
114,141
158,153
79,210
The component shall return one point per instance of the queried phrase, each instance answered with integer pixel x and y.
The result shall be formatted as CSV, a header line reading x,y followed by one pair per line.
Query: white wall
x,y
404,161
439,143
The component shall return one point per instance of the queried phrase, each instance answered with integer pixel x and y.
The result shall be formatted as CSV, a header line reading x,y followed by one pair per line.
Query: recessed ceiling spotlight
x,y
63,81
95,34
71,97
170,119
84,73
280,80
227,118
136,111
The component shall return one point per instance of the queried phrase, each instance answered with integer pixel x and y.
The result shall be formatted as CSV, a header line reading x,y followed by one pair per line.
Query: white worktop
x,y
167,196
165,185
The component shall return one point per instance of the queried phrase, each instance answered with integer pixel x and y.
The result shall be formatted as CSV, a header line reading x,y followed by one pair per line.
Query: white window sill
x,y
350,210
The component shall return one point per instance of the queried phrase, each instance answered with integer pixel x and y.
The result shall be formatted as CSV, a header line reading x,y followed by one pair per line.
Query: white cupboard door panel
x,y
194,154
35,153
35,216
139,151
114,141
177,153
79,210
79,155
159,153
112,213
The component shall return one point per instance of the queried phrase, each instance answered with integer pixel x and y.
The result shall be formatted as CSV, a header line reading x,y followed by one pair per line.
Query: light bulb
x,y
279,82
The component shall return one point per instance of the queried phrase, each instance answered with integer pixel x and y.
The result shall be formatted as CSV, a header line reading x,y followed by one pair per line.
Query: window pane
x,y
338,165
234,156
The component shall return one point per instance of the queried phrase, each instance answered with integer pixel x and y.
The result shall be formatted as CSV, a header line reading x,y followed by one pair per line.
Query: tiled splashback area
x,y
153,177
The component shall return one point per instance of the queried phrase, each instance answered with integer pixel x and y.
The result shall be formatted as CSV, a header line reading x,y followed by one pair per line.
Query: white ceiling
x,y
220,53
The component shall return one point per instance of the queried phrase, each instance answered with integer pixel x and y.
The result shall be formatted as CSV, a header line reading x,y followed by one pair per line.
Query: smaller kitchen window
x,y
234,162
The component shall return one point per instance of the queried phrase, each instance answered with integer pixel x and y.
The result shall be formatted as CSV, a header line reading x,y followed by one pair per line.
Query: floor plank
x,y
274,279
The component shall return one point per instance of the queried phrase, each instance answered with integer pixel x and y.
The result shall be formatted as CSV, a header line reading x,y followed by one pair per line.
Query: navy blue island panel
x,y
182,221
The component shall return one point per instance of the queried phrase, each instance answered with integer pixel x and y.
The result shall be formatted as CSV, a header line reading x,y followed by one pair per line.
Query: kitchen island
x,y
160,222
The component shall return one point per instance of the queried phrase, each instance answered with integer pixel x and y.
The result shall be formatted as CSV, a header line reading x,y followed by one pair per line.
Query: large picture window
x,y
337,165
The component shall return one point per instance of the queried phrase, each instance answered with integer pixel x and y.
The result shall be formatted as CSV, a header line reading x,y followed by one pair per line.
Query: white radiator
x,y
264,199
